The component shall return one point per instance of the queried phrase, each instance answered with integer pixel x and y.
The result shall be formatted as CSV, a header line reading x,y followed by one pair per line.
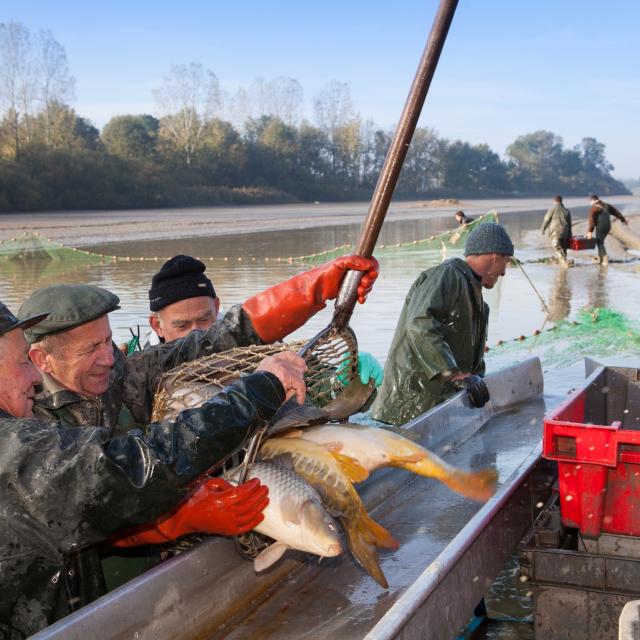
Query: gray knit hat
x,y
488,237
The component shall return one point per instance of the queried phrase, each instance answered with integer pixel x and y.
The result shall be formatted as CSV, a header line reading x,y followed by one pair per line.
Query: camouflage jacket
x,y
128,401
66,489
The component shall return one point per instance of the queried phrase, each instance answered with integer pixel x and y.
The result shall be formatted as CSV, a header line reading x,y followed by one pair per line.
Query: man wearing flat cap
x,y
438,346
87,380
66,489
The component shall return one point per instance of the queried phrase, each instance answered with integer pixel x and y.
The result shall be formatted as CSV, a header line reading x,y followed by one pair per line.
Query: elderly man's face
x,y
82,358
179,319
19,376
495,268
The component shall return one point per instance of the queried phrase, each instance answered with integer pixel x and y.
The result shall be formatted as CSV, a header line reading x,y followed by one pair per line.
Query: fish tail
x,y
362,545
477,485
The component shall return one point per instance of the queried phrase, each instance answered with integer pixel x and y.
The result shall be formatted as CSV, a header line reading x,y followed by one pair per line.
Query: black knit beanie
x,y
179,278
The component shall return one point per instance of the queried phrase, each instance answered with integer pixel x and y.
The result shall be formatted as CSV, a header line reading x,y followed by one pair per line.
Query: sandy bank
x,y
97,227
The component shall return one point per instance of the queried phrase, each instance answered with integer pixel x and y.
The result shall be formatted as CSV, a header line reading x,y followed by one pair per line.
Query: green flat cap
x,y
69,306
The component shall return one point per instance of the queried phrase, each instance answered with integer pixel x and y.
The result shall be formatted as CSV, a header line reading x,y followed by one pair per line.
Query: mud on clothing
x,y
557,223
66,489
442,327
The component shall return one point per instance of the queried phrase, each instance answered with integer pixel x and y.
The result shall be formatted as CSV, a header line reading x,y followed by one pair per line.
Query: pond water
x,y
515,308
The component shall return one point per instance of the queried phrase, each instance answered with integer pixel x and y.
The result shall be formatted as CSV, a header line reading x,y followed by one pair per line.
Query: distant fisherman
x,y
557,223
182,299
600,221
438,346
462,219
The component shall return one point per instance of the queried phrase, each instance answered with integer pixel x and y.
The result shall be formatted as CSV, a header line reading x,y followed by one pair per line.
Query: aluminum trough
x,y
451,548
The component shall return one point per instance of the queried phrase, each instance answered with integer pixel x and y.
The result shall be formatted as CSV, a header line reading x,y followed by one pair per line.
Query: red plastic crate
x,y
598,464
579,243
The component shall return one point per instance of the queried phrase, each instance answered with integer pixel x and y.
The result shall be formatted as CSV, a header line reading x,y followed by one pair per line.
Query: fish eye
x,y
332,527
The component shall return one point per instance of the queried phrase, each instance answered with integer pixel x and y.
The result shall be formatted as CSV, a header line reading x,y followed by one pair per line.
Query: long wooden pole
x,y
395,158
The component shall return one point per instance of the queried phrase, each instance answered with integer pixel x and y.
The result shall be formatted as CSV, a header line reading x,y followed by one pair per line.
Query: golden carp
x,y
374,448
332,475
294,517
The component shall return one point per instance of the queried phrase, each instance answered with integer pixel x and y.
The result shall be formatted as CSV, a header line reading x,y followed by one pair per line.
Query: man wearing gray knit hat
x,y
438,346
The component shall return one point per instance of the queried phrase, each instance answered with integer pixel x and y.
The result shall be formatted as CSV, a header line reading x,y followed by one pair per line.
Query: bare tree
x,y
281,97
334,111
34,77
332,106
187,100
16,76
55,84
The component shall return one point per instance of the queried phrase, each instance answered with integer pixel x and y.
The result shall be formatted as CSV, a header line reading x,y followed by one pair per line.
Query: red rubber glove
x,y
283,308
214,507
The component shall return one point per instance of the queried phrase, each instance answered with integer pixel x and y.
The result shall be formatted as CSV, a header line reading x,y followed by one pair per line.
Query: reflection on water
x,y
515,309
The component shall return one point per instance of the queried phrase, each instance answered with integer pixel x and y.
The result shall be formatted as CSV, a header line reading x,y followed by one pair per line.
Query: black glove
x,y
476,389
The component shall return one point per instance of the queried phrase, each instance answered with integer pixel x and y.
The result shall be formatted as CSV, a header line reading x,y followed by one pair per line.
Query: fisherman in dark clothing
x,y
88,381
66,489
438,346
182,299
462,218
600,221
557,223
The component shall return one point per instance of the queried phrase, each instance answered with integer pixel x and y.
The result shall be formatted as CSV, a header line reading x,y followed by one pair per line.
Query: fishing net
x,y
450,240
33,246
332,366
594,332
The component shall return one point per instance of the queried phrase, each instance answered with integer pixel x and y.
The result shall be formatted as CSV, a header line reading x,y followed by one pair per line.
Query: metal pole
x,y
395,157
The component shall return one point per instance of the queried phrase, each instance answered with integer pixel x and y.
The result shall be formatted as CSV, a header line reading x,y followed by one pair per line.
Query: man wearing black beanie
x,y
181,299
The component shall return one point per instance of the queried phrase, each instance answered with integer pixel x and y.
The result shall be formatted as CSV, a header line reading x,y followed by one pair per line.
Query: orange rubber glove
x,y
214,507
283,308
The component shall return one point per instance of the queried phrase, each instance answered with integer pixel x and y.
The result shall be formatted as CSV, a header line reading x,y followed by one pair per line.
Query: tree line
x,y
205,147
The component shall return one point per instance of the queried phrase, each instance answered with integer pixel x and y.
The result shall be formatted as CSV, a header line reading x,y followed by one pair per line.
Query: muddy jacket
x,y
443,327
557,221
600,217
65,489
134,379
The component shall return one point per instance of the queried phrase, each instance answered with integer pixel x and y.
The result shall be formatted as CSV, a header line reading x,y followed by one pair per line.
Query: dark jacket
x,y
128,401
600,217
65,489
443,327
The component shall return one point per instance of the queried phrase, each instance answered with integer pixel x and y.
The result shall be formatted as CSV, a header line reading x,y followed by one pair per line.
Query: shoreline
x,y
90,228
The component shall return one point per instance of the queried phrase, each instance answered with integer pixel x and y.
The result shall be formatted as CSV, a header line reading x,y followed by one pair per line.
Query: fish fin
x,y
292,433
477,485
334,447
291,414
400,460
351,467
269,556
363,536
289,510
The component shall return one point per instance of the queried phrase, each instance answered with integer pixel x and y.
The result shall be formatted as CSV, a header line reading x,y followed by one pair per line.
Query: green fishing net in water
x,y
32,246
452,239
594,332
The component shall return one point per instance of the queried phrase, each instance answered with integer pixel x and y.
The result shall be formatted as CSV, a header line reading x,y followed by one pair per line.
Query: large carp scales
x,y
332,476
374,448
295,517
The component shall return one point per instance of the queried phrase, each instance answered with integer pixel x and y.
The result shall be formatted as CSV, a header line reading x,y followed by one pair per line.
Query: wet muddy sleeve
x,y
143,370
429,312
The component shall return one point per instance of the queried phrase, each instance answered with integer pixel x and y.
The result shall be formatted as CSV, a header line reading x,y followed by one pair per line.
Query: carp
x,y
332,475
294,517
374,448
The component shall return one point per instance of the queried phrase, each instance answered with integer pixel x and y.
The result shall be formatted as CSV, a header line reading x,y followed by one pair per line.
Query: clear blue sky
x,y
509,67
